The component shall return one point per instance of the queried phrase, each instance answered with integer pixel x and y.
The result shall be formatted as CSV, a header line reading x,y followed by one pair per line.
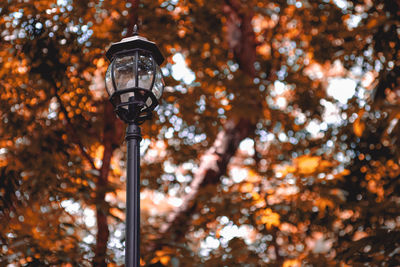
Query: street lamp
x,y
135,84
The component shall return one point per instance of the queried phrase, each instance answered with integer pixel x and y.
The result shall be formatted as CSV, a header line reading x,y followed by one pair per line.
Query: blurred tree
x,y
278,147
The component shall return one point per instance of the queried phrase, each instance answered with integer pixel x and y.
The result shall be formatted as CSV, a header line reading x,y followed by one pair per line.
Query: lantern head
x,y
134,79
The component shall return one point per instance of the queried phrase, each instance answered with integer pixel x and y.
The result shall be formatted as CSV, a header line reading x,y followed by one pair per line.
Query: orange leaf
x,y
292,263
307,164
270,218
358,125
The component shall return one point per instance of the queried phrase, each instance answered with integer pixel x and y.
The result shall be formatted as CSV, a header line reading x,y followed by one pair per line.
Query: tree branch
x,y
241,37
133,16
213,165
71,129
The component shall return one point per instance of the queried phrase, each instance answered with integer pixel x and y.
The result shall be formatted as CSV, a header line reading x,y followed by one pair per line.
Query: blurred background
x,y
276,142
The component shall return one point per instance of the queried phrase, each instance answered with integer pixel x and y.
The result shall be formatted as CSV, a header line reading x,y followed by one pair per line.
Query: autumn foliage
x,y
276,142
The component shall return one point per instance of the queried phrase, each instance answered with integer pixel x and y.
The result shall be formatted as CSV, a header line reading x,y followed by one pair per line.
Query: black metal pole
x,y
132,232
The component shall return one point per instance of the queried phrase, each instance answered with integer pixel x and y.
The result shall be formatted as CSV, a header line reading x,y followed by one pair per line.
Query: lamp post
x,y
134,83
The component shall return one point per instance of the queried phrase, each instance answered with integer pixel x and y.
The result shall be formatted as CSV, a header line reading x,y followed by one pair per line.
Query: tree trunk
x,y
112,136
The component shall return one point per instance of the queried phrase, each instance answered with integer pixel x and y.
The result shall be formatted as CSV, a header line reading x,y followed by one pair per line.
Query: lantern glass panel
x,y
149,101
158,83
125,98
109,84
124,72
145,70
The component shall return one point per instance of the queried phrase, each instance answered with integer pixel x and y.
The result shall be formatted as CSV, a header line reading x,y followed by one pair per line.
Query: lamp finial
x,y
135,30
